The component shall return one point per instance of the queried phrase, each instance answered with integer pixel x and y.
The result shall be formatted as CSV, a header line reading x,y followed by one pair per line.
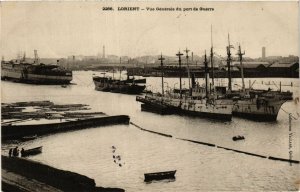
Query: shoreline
x,y
20,174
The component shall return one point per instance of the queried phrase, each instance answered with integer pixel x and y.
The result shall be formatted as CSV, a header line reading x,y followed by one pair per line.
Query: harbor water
x,y
199,167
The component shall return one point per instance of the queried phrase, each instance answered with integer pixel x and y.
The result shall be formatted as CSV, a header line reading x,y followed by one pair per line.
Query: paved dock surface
x,y
15,182
19,174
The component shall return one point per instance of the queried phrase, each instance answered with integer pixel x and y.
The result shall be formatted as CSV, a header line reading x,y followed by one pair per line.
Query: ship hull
x,y
218,110
257,109
18,75
216,116
156,106
116,86
160,109
39,81
196,108
256,117
128,89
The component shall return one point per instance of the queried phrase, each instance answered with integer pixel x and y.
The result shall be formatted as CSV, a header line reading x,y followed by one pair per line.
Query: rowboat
x,y
28,138
159,175
235,138
33,151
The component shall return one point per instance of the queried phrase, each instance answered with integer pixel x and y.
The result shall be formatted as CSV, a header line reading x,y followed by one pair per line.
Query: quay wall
x,y
18,131
199,73
60,179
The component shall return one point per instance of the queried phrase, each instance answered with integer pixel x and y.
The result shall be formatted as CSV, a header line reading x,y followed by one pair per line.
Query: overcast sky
x,y
59,29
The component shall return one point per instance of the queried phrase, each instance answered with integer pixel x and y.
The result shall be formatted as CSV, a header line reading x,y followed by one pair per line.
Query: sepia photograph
x,y
149,96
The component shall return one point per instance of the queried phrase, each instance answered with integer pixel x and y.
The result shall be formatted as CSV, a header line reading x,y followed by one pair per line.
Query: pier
x,y
19,131
45,117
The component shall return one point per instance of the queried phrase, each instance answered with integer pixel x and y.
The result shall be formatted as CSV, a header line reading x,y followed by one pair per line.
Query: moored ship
x,y
35,73
253,104
207,107
128,86
258,109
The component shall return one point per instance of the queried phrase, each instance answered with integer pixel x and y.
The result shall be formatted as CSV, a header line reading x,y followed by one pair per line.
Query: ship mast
x,y
36,57
162,74
187,63
179,61
206,74
24,57
211,58
240,54
73,62
228,64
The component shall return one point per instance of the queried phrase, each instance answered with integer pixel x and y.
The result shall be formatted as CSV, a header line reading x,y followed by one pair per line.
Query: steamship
x,y
34,73
205,107
249,103
128,86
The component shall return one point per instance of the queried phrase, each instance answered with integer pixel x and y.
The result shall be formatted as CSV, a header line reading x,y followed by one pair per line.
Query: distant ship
x,y
128,86
35,73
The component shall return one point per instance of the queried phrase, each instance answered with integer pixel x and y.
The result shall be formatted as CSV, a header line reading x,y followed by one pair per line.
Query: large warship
x,y
35,73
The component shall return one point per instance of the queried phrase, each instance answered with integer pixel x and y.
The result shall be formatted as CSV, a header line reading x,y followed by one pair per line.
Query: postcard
x,y
150,96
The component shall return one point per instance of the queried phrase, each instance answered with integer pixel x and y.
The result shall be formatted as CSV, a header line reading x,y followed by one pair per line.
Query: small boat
x,y
236,138
33,151
159,175
28,138
64,86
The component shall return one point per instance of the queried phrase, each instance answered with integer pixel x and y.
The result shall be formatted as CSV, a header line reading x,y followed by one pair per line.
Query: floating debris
x,y
28,138
117,158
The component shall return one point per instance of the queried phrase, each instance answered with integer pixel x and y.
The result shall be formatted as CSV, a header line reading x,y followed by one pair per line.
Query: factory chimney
x,y
263,53
103,52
